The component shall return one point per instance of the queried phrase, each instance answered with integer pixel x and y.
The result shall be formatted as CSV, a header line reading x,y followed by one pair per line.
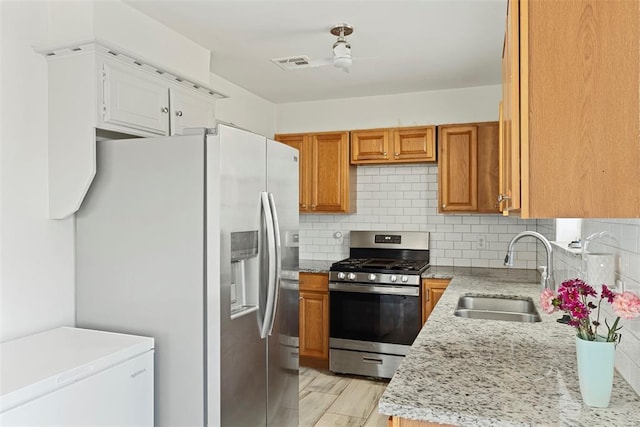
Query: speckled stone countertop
x,y
314,266
472,372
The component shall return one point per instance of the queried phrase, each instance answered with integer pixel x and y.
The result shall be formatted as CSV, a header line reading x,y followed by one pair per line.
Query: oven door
x,y
368,317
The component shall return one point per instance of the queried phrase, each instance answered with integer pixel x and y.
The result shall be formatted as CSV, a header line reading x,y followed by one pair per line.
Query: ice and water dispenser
x,y
244,273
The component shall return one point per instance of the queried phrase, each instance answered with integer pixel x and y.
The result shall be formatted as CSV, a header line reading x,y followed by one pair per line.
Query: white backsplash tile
x,y
404,198
623,242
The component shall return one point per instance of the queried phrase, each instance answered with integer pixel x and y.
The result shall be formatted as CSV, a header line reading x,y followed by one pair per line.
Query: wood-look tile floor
x,y
328,400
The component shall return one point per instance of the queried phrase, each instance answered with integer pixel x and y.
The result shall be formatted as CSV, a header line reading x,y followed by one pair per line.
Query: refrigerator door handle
x,y
278,247
271,245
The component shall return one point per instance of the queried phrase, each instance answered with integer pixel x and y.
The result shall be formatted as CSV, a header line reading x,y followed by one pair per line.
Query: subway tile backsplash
x,y
622,240
405,198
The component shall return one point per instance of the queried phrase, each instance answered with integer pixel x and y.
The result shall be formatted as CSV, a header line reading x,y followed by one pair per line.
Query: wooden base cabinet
x,y
396,145
405,422
571,109
327,180
432,290
468,168
314,320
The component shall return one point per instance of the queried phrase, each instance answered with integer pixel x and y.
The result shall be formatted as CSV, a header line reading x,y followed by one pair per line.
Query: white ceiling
x,y
403,46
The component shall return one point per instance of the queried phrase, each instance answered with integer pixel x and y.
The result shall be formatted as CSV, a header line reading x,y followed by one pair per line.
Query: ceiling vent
x,y
293,62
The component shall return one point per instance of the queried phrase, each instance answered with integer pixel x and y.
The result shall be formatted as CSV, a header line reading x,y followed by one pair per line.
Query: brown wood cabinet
x,y
393,145
327,180
571,110
405,422
432,290
314,320
468,168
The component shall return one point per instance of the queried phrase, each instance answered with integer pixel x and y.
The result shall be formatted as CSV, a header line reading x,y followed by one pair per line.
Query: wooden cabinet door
x,y
414,144
510,157
457,169
330,181
314,325
189,110
302,143
432,290
488,140
369,146
134,100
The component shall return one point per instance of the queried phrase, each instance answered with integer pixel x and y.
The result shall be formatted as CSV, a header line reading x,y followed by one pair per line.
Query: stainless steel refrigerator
x,y
193,240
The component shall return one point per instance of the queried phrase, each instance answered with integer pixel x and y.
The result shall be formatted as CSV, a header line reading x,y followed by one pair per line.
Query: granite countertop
x,y
472,372
314,266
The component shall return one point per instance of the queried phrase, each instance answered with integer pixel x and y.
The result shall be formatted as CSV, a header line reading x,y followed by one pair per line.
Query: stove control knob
x,y
372,277
394,278
351,276
341,276
404,279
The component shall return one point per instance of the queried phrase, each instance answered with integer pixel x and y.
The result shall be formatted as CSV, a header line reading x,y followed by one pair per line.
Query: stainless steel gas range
x,y
374,302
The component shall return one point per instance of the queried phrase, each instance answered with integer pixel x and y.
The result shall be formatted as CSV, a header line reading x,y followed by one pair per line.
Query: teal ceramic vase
x,y
595,370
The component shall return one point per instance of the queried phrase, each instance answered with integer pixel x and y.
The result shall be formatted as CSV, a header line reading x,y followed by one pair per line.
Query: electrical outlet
x,y
482,242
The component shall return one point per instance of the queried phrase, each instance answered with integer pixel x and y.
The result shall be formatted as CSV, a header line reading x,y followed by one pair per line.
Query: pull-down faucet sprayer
x,y
546,272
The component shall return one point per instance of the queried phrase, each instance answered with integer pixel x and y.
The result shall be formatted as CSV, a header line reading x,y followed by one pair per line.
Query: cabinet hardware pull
x,y
371,360
503,198
444,206
397,154
300,298
384,154
304,206
313,206
165,109
179,113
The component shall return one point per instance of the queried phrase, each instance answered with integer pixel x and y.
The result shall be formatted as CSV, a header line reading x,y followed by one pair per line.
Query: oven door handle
x,y
412,291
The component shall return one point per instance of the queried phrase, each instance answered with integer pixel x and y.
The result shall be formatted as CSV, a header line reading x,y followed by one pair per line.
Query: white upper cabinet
x,y
132,99
95,91
189,110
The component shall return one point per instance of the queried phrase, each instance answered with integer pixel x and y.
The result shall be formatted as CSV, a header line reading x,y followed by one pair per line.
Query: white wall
x,y
476,104
37,276
243,108
37,289
623,242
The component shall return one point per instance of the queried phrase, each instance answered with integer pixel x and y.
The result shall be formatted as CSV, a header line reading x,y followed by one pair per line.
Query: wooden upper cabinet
x,y
394,145
327,180
414,144
369,146
468,168
577,115
509,167
457,170
301,142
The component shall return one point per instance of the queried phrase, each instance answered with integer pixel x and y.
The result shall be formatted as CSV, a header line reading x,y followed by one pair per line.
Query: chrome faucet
x,y
545,271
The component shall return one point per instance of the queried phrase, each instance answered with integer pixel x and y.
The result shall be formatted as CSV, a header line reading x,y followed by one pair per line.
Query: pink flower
x,y
626,305
546,301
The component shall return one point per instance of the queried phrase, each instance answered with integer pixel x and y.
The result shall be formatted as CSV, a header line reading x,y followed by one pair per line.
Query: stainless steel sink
x,y
497,307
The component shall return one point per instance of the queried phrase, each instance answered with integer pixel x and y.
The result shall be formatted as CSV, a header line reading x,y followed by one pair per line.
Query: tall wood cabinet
x,y
314,320
468,168
327,180
571,109
393,145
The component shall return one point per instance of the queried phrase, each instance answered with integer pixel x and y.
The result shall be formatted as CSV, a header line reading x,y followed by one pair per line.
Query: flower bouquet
x,y
573,298
595,352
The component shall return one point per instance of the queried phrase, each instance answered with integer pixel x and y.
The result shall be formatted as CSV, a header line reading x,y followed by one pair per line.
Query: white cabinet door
x,y
134,100
189,109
